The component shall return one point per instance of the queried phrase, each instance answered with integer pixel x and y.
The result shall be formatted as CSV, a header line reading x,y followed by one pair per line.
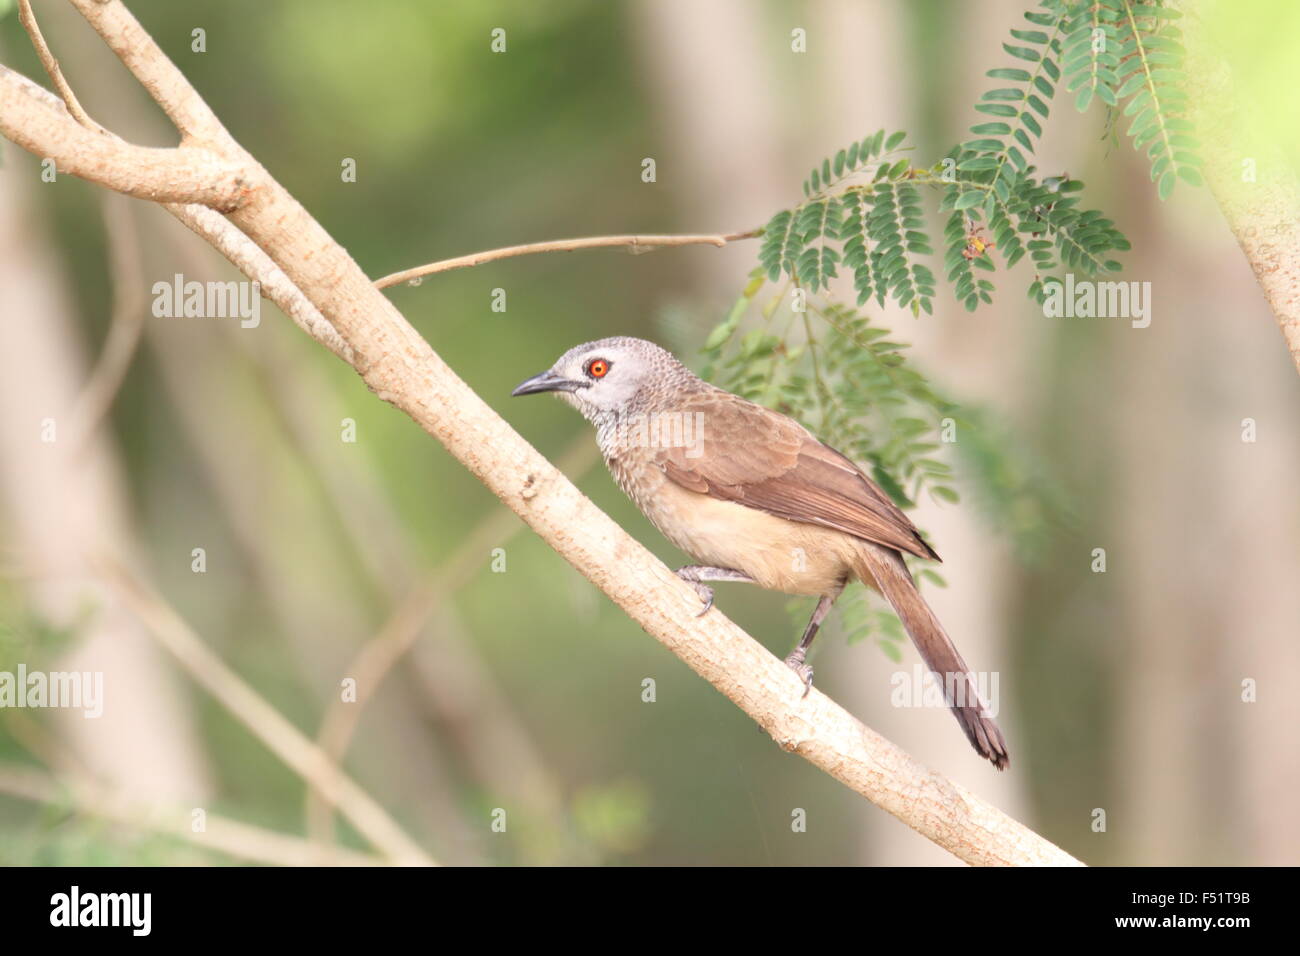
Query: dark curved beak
x,y
548,381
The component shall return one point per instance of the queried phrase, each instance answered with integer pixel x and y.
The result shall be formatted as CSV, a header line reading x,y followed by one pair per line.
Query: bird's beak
x,y
548,381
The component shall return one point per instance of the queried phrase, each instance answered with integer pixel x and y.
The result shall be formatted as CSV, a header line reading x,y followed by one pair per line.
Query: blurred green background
x,y
1120,691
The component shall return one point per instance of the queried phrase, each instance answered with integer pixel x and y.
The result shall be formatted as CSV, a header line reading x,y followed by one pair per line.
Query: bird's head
x,y
614,375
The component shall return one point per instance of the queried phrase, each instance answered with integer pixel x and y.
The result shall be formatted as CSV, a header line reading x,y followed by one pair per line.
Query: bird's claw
x,y
703,590
804,671
706,595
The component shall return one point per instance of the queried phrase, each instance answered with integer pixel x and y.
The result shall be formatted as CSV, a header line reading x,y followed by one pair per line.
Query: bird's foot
x,y
706,595
804,671
691,576
696,574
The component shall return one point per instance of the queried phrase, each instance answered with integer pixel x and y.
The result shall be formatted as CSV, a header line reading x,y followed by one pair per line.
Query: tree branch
x,y
156,73
401,368
244,255
218,232
181,174
635,244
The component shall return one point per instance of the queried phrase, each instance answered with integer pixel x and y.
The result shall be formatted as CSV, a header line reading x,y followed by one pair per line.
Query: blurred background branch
x,y
206,669
1252,179
239,840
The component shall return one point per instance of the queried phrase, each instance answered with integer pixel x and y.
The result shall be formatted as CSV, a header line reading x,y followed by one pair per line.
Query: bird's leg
x,y
696,574
796,659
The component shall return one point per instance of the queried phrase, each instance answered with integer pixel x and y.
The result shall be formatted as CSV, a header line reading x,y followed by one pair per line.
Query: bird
x,y
753,496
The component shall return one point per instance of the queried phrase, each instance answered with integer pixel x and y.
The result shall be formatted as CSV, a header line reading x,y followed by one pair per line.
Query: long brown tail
x,y
884,568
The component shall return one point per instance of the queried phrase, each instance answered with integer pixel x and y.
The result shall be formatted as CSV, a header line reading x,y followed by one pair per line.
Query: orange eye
x,y
597,368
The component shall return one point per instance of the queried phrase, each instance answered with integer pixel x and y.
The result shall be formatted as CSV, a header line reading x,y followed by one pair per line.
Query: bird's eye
x,y
597,368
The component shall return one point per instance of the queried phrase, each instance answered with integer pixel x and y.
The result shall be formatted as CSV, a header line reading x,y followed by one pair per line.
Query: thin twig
x,y
28,19
635,245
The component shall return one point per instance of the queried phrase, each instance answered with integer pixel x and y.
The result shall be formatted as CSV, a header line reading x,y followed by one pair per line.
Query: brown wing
x,y
762,459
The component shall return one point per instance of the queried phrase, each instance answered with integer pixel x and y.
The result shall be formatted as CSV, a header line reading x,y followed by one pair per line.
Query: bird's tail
x,y
884,569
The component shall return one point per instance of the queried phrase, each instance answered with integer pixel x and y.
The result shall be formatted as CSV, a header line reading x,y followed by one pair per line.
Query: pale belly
x,y
778,554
